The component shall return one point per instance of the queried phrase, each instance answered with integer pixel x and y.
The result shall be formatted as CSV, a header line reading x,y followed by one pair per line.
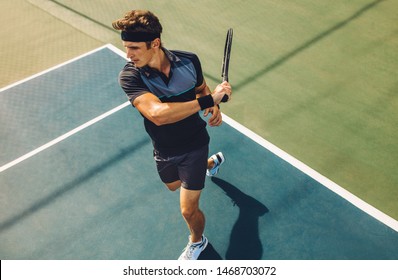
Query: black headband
x,y
141,36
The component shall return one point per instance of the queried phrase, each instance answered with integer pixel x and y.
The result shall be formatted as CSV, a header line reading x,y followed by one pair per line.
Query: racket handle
x,y
224,98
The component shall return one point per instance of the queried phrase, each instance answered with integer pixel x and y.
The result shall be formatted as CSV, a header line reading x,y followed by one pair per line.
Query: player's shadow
x,y
245,243
209,253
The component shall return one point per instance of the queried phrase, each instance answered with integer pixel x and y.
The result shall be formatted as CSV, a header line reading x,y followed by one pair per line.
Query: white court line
x,y
356,201
71,132
53,68
367,208
63,137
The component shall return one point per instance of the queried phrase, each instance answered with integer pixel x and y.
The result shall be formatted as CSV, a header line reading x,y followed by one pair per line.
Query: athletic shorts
x,y
189,168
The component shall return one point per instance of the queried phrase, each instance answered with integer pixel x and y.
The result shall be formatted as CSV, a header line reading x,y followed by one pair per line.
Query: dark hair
x,y
138,20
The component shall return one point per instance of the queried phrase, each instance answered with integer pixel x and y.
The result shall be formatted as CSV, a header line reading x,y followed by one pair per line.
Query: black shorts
x,y
189,168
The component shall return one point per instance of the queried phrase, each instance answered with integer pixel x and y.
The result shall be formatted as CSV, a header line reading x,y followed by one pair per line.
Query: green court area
x,y
78,181
318,80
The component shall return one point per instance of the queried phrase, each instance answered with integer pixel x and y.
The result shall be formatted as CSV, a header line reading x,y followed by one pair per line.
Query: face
x,y
138,53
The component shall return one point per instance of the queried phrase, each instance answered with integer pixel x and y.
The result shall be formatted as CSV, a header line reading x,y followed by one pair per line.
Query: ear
x,y
156,43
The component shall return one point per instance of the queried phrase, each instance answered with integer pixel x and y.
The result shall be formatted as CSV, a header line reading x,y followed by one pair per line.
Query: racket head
x,y
227,55
226,58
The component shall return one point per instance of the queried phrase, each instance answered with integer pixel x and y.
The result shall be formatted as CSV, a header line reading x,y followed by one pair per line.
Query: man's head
x,y
139,26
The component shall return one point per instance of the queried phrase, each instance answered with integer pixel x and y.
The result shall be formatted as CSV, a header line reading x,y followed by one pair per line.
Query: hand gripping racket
x,y
225,62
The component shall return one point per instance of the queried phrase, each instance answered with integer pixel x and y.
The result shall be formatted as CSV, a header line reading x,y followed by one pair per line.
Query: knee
x,y
188,212
173,186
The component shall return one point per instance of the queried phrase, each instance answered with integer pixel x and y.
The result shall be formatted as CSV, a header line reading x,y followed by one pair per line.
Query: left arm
x,y
216,117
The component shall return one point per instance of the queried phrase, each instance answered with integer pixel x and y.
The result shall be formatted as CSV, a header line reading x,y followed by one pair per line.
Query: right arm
x,y
164,113
170,112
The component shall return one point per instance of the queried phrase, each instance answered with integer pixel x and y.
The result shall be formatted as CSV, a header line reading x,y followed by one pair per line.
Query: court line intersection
x,y
353,199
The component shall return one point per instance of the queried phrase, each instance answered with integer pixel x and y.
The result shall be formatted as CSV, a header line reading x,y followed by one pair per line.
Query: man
x,y
169,90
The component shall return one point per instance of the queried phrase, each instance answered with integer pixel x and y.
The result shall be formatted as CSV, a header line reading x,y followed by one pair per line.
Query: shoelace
x,y
190,248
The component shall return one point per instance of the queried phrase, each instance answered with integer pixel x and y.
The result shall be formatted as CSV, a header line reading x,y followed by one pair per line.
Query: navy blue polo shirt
x,y
185,74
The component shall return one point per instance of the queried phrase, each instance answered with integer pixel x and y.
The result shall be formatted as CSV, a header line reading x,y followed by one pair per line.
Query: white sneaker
x,y
218,160
193,250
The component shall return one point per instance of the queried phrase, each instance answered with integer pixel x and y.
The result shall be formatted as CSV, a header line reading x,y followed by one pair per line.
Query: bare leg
x,y
210,163
174,185
194,217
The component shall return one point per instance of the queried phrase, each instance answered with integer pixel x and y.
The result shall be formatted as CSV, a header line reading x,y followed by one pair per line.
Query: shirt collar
x,y
171,56
147,71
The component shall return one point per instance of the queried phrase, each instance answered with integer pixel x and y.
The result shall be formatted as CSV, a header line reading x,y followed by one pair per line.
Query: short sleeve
x,y
131,82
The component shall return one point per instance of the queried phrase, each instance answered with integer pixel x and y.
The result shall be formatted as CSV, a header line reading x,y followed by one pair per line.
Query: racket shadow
x,y
245,243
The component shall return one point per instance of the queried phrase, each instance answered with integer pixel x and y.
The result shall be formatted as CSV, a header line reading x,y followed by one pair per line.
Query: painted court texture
x,y
77,179
94,194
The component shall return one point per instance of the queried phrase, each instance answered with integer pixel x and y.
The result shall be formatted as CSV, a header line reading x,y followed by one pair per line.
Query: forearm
x,y
205,91
167,113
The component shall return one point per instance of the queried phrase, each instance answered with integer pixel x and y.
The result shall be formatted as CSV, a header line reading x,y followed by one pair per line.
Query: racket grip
x,y
224,98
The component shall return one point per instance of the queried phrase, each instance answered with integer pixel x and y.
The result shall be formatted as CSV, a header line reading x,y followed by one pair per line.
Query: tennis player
x,y
169,90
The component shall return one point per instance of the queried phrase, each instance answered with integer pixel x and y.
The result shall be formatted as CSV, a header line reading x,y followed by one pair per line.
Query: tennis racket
x,y
225,61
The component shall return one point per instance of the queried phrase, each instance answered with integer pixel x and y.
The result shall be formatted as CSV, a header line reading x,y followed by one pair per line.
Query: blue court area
x,y
95,193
